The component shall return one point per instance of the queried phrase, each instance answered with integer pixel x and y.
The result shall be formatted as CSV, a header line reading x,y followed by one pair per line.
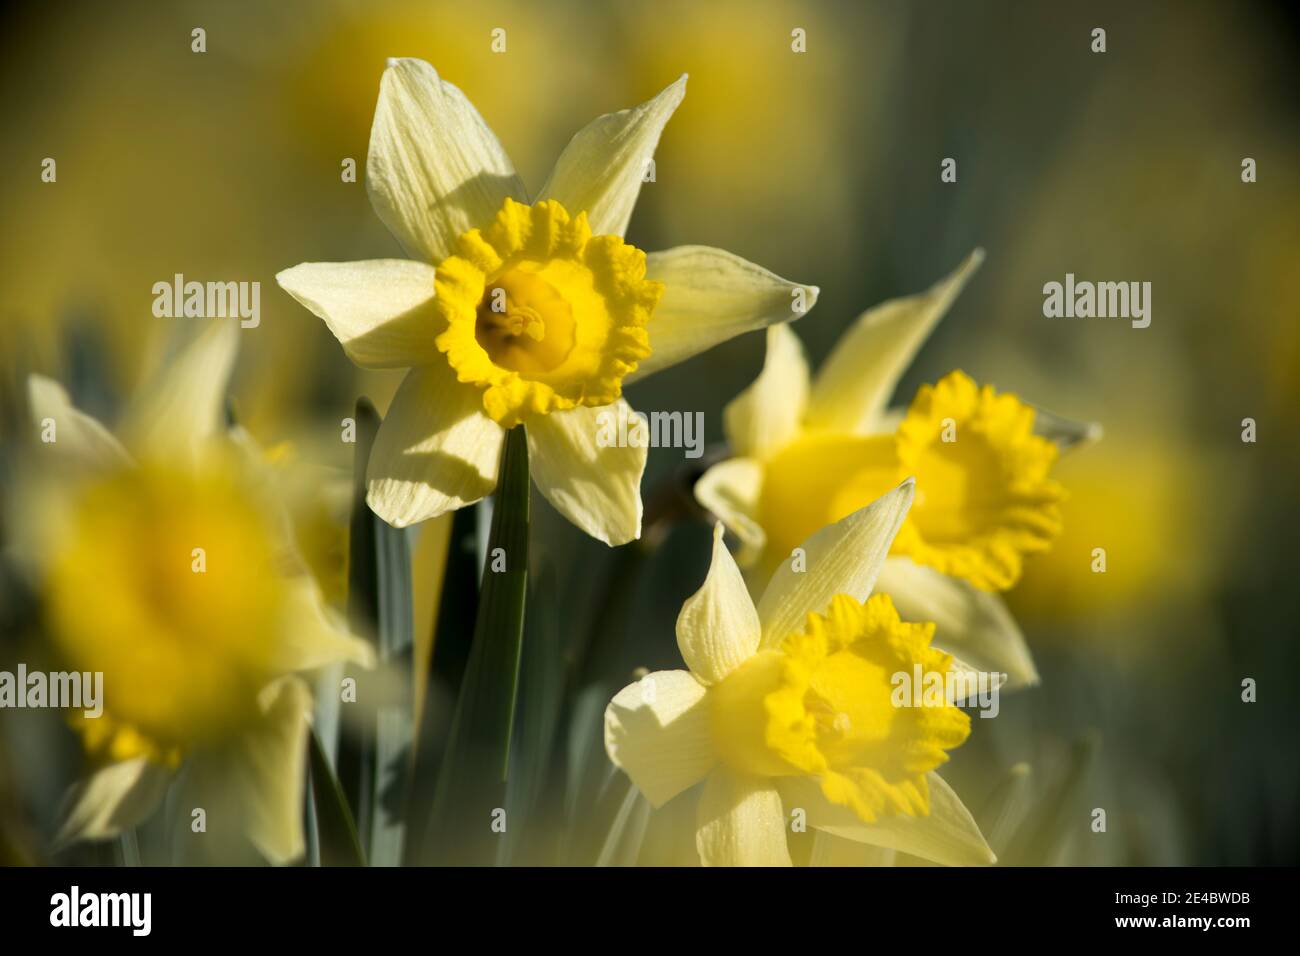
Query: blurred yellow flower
x,y
788,713
168,567
541,312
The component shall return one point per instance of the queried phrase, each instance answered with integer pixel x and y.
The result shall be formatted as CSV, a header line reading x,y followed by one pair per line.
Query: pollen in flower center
x,y
524,324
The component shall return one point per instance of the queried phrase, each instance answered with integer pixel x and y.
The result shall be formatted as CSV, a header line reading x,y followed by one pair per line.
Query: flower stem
x,y
470,800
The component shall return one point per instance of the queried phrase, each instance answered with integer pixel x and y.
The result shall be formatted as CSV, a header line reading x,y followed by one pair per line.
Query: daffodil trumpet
x,y
515,311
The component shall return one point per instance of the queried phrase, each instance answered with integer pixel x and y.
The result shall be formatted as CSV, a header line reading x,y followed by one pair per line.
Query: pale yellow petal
x,y
183,407
730,492
314,635
972,624
767,415
836,851
580,469
436,450
741,822
112,799
717,629
80,442
858,378
657,731
256,783
843,558
380,310
947,835
711,296
435,168
601,170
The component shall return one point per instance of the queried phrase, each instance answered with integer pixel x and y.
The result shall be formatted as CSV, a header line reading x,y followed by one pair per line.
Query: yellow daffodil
x,y
168,566
788,714
810,451
515,314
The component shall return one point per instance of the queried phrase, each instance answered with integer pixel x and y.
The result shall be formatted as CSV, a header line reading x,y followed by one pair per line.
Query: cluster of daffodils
x,y
876,540
509,313
809,451
787,712
168,565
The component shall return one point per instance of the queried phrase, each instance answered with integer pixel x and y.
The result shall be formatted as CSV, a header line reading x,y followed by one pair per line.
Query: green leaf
x,y
374,761
471,792
337,833
541,696
453,636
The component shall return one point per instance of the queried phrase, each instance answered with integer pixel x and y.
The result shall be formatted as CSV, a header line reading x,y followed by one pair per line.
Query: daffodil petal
x,y
718,629
657,731
112,799
258,778
768,414
709,297
436,450
730,491
80,441
948,834
596,487
1066,433
380,310
314,636
602,168
972,624
843,558
741,822
183,407
860,375
836,851
435,168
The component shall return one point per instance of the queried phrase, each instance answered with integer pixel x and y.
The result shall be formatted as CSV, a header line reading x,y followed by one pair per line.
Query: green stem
x,y
339,845
469,803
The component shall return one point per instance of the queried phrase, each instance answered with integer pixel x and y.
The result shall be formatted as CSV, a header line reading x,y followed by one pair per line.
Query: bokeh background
x,y
823,166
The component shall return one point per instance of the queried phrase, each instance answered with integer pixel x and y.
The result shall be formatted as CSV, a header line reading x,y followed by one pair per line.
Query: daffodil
x,y
168,567
810,451
788,712
516,313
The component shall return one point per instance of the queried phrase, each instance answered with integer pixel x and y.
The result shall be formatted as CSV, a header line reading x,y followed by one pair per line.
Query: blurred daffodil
x,y
168,566
788,713
511,314
809,452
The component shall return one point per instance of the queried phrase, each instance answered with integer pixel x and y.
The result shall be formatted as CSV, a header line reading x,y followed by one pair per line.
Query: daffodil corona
x,y
542,315
517,313
789,713
822,704
984,499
